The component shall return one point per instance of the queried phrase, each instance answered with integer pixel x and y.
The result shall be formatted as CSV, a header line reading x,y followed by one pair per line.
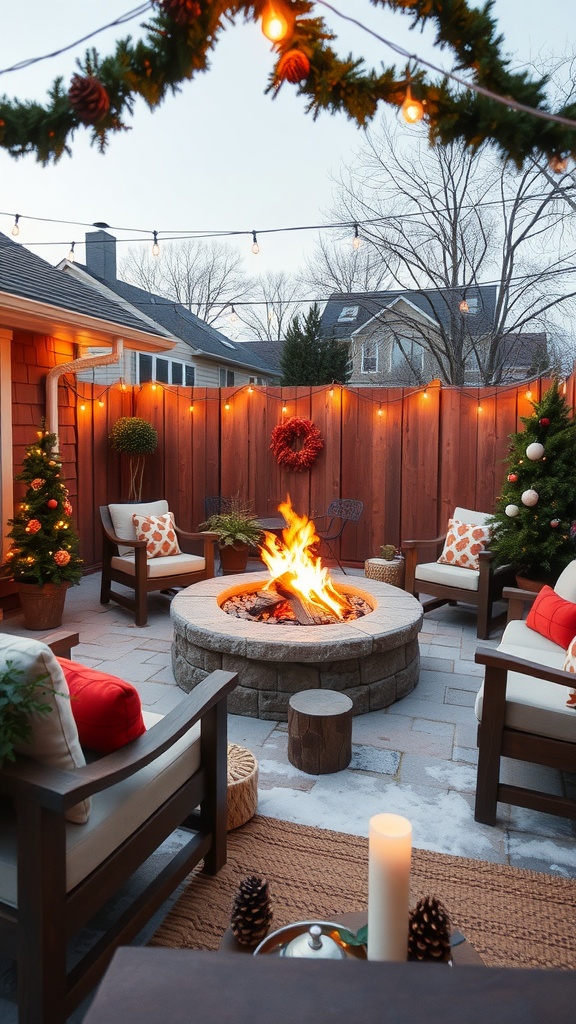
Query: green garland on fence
x,y
181,34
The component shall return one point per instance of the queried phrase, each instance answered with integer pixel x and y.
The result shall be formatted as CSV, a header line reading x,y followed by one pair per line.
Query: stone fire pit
x,y
375,659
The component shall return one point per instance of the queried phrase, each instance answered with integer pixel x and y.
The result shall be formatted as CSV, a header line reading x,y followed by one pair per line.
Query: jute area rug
x,y
513,917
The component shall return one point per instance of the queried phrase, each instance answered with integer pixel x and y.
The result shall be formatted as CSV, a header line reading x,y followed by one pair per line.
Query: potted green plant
x,y
388,568
136,438
238,529
43,560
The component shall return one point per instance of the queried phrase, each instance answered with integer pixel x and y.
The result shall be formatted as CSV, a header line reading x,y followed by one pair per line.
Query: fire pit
x,y
297,629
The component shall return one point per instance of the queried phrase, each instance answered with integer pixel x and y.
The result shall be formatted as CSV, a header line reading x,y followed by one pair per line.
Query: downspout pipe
x,y
75,366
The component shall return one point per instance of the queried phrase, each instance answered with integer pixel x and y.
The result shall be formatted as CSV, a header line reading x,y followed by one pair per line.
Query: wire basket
x,y
387,572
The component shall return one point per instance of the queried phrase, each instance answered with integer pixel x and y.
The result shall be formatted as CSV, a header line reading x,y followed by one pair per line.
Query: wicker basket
x,y
387,572
242,786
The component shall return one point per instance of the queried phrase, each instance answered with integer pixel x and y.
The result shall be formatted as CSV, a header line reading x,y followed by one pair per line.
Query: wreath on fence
x,y
285,434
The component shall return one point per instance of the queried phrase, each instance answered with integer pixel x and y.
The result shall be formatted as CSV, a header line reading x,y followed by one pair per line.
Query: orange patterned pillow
x,y
158,532
570,666
463,544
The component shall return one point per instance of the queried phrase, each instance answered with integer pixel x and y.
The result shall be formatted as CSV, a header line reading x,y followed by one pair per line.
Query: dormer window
x,y
347,314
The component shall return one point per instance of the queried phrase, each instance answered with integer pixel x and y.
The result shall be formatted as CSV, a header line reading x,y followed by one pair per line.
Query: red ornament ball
x,y
61,557
512,477
67,508
293,66
554,523
37,483
33,525
544,422
88,98
52,503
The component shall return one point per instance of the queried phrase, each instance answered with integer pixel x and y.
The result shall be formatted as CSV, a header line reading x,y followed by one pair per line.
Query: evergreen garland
x,y
180,35
45,541
539,540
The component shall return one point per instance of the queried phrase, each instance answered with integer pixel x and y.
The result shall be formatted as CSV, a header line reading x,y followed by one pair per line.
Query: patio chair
x,y
72,834
337,515
469,578
149,556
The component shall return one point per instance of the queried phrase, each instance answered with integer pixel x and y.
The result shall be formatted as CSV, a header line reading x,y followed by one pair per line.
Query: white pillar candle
x,y
389,857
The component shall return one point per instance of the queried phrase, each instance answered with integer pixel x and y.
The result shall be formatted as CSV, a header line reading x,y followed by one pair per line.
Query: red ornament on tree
x,y
67,508
512,477
554,523
37,483
293,66
61,557
88,98
33,526
544,421
52,503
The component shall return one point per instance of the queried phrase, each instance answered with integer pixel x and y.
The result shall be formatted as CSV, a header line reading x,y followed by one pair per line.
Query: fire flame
x,y
292,561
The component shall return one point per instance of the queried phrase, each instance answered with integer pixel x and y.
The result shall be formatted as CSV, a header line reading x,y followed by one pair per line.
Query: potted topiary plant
x,y
135,437
389,568
43,560
238,530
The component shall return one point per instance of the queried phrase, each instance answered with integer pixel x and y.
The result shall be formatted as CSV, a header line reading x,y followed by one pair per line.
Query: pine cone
x,y
183,12
88,98
294,66
429,931
251,911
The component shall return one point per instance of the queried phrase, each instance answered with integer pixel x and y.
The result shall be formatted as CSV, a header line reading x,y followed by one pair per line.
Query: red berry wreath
x,y
285,434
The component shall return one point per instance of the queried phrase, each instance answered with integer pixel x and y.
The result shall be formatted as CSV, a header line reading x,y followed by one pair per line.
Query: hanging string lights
x,y
412,109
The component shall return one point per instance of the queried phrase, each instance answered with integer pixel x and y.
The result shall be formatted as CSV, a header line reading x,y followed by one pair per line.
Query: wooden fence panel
x,y
420,476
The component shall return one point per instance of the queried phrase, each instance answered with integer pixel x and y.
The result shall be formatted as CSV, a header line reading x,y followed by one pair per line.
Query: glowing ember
x,y
292,562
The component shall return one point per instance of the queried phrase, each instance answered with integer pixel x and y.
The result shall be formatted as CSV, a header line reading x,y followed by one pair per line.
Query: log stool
x,y
242,786
320,731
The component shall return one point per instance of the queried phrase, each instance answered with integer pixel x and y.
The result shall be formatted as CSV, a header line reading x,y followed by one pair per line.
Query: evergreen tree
x,y
308,360
45,541
534,525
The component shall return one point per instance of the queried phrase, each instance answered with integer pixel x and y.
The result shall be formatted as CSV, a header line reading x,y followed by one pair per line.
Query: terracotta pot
x,y
525,584
234,558
43,606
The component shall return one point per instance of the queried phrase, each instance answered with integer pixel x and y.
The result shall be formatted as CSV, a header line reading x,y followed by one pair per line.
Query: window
x,y
406,354
166,371
226,378
348,313
369,357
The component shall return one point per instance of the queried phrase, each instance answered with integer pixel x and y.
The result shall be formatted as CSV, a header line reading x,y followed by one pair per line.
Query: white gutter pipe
x,y
75,366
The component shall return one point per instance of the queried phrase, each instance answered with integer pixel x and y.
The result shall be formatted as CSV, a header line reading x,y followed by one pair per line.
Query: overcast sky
x,y
220,155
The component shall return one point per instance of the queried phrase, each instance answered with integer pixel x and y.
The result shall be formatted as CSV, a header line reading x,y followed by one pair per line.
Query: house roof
x,y
33,292
346,313
269,352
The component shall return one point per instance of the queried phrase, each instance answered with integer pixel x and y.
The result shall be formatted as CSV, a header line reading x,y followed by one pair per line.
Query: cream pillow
x,y
159,534
463,544
54,737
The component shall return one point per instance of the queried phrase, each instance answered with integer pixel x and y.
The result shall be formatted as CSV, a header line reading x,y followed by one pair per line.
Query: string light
x,y
284,408
226,405
412,109
82,407
380,409
16,229
191,408
153,386
70,256
275,17
356,241
155,246
100,403
529,395
464,307
255,246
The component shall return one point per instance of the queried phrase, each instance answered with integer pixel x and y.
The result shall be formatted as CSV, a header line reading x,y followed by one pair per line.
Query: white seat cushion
x,y
115,814
121,516
535,705
468,515
520,640
165,565
447,575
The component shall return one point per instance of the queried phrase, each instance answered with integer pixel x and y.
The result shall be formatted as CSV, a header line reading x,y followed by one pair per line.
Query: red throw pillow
x,y
553,617
107,710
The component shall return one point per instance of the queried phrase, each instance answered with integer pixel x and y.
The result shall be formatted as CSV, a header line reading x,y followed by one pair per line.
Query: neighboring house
x,y
392,335
267,351
48,321
202,356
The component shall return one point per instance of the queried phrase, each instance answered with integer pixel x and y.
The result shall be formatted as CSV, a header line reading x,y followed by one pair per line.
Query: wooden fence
x,y
410,455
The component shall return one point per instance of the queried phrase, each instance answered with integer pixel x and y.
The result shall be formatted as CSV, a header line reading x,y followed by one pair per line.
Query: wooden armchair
x,y
125,559
522,712
450,584
55,875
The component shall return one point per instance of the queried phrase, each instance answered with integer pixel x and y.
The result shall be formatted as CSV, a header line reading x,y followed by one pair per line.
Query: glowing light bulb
x,y
284,408
82,407
250,390
558,164
16,229
274,22
255,246
153,387
464,307
412,109
191,408
100,403
356,241
529,394
155,246
380,411
227,405
70,256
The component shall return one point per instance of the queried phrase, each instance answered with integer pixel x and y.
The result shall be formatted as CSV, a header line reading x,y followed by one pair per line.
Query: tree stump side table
x,y
320,731
242,786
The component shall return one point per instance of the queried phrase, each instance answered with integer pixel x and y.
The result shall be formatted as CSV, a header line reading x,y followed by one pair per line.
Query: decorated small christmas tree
x,y
534,525
44,539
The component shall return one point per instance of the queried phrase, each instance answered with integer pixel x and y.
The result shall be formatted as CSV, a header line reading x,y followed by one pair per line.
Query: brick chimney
x,y
101,255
